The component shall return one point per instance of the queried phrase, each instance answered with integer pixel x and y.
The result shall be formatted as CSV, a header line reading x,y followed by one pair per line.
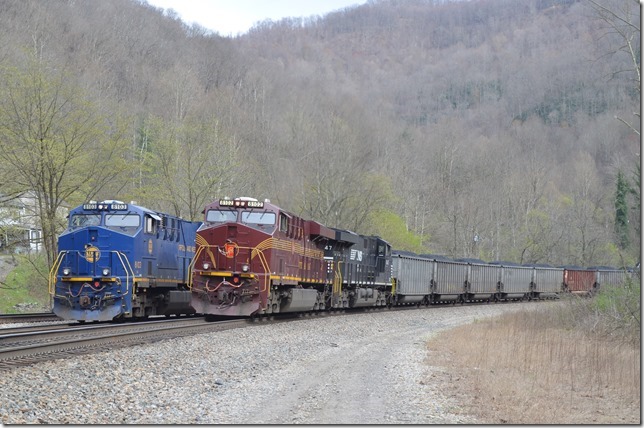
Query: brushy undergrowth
x,y
575,361
615,312
25,283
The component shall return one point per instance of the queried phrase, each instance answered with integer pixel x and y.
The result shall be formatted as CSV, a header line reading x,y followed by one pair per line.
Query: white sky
x,y
231,17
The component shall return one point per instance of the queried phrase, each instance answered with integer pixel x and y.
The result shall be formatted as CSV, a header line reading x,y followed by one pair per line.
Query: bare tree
x,y
54,142
621,21
195,162
338,188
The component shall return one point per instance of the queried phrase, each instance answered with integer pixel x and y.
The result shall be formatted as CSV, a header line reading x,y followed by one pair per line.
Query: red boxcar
x,y
579,280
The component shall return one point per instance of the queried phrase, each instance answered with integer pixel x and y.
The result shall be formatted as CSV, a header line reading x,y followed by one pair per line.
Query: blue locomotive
x,y
122,261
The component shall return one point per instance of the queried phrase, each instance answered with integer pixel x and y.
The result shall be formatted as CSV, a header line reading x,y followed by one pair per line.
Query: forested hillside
x,y
494,129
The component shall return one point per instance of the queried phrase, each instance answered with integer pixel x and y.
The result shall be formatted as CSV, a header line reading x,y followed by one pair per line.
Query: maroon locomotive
x,y
254,258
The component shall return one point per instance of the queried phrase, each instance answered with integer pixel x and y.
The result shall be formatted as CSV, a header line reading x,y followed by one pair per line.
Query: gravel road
x,y
369,368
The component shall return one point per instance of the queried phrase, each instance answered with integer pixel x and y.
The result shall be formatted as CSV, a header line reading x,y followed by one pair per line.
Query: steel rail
x,y
35,317
69,343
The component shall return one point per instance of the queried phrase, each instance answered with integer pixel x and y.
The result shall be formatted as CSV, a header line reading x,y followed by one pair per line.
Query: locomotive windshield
x,y
123,220
221,216
251,217
84,220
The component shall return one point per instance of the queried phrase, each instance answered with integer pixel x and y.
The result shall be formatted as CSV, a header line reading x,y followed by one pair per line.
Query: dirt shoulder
x,y
7,264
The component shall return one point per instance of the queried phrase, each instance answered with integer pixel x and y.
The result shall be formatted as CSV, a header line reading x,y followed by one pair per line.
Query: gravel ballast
x,y
369,368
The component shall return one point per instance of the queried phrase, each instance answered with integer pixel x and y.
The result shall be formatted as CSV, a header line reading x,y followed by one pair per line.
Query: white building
x,y
20,229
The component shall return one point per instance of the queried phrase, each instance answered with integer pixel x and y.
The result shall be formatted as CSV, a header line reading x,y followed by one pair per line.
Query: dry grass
x,y
523,369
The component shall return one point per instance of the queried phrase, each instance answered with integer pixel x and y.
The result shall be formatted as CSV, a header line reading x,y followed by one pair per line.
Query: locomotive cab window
x,y
151,224
283,223
164,227
382,250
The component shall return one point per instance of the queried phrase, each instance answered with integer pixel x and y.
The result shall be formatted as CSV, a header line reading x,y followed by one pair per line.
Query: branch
x,y
5,286
628,124
600,8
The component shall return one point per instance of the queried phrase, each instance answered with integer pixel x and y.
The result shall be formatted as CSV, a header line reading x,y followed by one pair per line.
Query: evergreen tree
x,y
636,191
621,211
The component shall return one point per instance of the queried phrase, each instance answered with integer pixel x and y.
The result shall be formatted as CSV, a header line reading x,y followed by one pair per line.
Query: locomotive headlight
x,y
106,271
245,268
206,265
67,271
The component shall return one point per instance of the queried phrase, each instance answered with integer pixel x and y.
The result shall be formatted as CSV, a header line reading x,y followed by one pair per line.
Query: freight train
x,y
122,261
254,258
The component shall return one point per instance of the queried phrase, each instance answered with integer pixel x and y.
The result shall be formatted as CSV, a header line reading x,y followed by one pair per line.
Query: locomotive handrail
x,y
192,264
200,249
54,270
337,281
122,256
262,260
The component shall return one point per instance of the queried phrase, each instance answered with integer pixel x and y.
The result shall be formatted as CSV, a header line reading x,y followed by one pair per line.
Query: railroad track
x,y
28,345
35,328
24,348
36,317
